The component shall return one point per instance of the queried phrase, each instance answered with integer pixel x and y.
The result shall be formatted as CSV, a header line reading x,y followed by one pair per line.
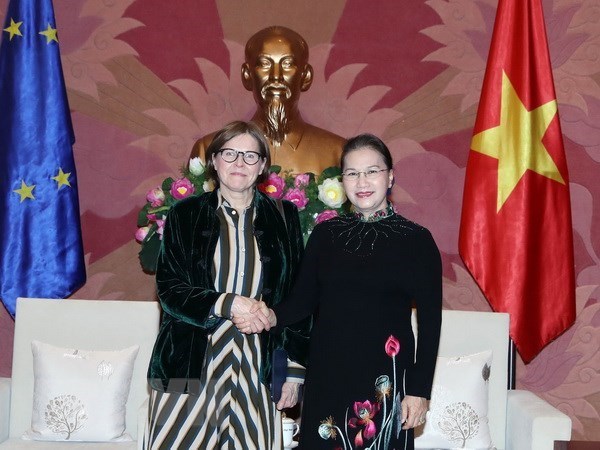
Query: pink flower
x,y
392,346
301,180
161,227
365,412
273,186
182,188
358,439
151,217
141,233
156,197
326,215
297,197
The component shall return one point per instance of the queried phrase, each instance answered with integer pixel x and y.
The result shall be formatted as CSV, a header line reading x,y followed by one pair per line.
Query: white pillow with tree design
x,y
80,395
458,411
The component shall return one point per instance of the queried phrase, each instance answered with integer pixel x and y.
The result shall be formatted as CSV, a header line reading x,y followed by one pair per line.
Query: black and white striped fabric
x,y
234,409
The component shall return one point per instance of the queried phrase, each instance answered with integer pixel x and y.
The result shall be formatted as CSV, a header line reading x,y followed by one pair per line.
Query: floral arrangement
x,y
386,394
318,198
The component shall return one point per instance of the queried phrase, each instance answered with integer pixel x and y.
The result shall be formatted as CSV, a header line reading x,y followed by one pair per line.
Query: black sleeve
x,y
304,297
427,293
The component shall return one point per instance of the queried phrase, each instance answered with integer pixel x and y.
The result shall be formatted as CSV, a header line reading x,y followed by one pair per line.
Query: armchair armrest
x,y
533,423
142,424
4,408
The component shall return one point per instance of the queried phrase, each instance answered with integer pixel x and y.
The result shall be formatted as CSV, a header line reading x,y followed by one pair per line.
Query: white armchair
x,y
518,420
80,324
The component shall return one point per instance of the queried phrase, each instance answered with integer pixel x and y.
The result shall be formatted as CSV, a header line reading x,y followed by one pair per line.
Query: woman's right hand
x,y
249,315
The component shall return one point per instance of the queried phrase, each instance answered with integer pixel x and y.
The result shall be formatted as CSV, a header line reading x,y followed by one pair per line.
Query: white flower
x,y
196,166
331,192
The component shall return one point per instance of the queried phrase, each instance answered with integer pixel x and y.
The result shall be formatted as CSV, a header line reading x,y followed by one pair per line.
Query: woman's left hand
x,y
413,411
289,395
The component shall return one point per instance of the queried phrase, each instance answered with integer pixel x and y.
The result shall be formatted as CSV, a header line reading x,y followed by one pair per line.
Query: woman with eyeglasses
x,y
221,253
361,275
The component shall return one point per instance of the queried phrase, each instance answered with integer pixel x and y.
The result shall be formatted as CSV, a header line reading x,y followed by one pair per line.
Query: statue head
x,y
276,70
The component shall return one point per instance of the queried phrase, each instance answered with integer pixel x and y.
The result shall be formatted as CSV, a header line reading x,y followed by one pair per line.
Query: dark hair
x,y
369,141
228,132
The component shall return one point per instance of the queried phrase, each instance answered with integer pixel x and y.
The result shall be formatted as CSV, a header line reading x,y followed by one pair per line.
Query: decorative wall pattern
x,y
147,78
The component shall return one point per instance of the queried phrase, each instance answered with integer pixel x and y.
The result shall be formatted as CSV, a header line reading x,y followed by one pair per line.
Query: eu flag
x,y
41,253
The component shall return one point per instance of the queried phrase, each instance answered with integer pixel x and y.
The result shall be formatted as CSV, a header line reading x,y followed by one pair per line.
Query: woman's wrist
x,y
236,305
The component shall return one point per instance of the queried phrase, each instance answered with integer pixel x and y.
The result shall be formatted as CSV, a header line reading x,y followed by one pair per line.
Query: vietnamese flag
x,y
515,232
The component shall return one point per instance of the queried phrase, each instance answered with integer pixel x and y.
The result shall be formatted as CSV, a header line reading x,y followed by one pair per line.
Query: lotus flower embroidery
x,y
365,412
387,401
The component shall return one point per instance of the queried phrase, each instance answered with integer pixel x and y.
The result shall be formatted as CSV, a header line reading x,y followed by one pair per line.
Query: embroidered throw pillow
x,y
458,411
80,395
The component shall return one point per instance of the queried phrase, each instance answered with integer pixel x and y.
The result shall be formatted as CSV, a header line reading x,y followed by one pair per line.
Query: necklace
x,y
358,236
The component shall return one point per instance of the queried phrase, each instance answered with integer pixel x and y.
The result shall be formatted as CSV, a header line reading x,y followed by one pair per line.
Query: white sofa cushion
x,y
80,395
458,411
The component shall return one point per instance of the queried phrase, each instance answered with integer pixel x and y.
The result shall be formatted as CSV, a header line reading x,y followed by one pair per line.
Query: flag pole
x,y
512,364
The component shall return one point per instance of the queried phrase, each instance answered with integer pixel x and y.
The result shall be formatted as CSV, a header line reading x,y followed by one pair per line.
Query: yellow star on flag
x,y
62,179
25,191
50,34
13,29
517,142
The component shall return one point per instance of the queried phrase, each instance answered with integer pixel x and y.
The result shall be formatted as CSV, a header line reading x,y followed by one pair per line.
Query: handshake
x,y
251,316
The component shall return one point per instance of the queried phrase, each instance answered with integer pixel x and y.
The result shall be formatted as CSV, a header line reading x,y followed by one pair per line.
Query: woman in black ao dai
x,y
361,276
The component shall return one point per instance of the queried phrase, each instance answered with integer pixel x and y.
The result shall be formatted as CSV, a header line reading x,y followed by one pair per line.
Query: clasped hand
x,y
251,316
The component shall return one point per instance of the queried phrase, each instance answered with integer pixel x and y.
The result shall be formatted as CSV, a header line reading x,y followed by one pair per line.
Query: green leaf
x,y
149,253
142,220
330,172
276,169
166,185
197,180
170,201
159,209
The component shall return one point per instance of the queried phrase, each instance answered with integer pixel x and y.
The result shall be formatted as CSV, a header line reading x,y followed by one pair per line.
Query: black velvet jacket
x,y
187,293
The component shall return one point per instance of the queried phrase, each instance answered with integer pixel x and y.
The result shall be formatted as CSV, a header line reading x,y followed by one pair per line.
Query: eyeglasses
x,y
354,175
229,155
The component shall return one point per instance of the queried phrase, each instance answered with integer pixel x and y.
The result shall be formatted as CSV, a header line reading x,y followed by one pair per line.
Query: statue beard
x,y
277,121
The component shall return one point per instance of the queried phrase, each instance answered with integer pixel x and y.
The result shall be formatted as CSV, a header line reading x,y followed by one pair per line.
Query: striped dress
x,y
234,409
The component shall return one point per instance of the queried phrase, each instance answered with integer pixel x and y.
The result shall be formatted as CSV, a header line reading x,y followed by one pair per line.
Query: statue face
x,y
276,71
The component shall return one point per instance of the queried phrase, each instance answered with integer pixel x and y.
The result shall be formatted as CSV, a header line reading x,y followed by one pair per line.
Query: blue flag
x,y
41,253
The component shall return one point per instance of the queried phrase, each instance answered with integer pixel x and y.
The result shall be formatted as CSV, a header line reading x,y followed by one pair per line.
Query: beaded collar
x,y
358,237
377,215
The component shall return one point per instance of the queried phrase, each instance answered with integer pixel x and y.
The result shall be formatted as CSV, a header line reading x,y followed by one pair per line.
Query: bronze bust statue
x,y
276,70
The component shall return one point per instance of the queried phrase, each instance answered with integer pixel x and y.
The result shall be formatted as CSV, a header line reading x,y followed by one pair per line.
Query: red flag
x,y
515,232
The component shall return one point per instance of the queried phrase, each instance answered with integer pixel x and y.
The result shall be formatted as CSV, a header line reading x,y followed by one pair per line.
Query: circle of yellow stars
x,y
14,29
517,142
26,191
